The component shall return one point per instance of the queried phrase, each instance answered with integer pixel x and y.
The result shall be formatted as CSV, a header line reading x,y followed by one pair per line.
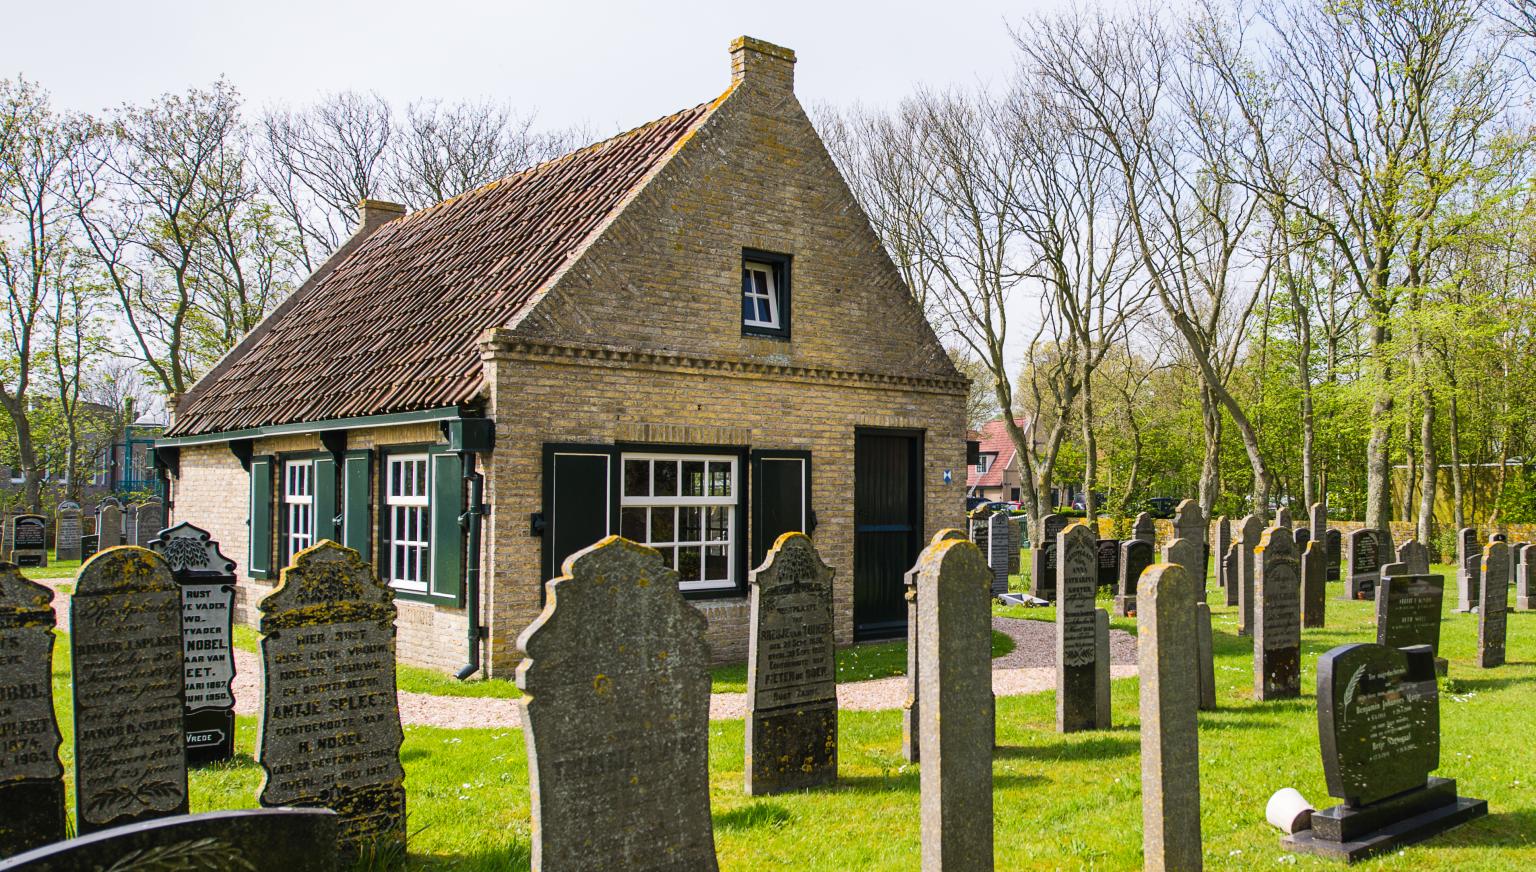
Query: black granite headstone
x,y
1277,617
1302,536
1408,611
1366,556
89,545
1135,556
1109,562
265,840
207,580
1077,633
1043,559
31,777
1335,542
29,540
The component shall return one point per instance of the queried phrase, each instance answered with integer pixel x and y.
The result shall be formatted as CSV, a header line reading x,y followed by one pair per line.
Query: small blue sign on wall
x,y
947,477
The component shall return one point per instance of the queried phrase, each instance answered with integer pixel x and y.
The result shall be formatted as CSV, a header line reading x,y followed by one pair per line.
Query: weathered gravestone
x,y
618,734
1378,715
1223,544
1109,563
1206,656
1317,521
1170,697
1302,536
130,523
911,733
29,540
1247,535
253,840
1135,557
1414,558
1043,557
1469,562
1493,608
330,721
1314,584
1283,518
1189,523
1334,540
791,730
207,580
130,752
148,521
1277,617
1015,543
31,777
978,523
955,639
66,531
109,523
1367,550
1077,631
1525,578
1408,612
999,541
1232,568
1144,528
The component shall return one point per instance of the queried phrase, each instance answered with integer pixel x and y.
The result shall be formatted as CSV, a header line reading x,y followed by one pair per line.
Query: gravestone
x,y
1207,657
89,545
253,840
66,531
977,522
910,730
1232,568
1283,518
1493,608
1469,562
1187,553
1015,543
1248,533
1414,557
31,777
1042,561
1170,697
618,735
1189,523
1408,612
1318,520
207,581
1109,563
1302,536
1335,542
1144,528
1525,581
1314,584
330,722
1378,713
130,752
1277,619
29,540
1077,631
954,642
5,539
130,523
791,729
109,523
148,521
1223,534
1135,557
1368,550
999,540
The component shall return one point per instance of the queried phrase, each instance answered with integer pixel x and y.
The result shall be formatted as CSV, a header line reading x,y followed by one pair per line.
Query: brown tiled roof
x,y
995,440
394,326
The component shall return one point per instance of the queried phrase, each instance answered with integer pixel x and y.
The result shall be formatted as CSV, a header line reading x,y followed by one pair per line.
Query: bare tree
x,y
445,149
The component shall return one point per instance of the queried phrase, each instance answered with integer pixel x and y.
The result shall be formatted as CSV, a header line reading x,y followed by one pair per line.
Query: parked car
x,y
1161,507
1081,504
973,503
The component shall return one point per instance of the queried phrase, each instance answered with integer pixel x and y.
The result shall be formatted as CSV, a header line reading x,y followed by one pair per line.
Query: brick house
x,y
998,470
687,334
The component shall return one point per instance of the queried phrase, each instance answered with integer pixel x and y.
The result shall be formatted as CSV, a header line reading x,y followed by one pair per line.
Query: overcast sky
x,y
605,64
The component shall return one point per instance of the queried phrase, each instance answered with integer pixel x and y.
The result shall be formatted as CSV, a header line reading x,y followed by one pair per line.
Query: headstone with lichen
x,y
31,777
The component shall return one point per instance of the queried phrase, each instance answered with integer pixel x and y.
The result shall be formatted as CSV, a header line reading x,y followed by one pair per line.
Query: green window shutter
x,y
260,519
356,513
447,504
781,498
325,499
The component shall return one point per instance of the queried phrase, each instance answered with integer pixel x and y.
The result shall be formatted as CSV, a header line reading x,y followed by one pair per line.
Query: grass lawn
x,y
1061,802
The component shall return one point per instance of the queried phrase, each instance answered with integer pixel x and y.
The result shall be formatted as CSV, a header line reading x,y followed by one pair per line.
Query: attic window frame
x,y
779,264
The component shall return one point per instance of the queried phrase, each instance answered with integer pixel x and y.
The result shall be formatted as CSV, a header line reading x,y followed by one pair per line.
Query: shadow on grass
x,y
757,814
414,754
1510,829
1096,748
1459,684
515,856
236,763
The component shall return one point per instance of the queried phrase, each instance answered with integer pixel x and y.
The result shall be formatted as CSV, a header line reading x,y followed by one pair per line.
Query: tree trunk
x,y
1090,459
1378,451
1210,467
1457,495
1410,481
1430,482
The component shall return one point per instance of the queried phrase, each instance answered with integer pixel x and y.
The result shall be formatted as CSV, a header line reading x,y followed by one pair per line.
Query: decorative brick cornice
x,y
506,345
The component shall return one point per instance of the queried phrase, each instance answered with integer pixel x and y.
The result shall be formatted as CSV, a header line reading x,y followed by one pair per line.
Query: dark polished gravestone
x,y
1232,569
1408,612
1109,563
89,546
330,719
130,752
999,543
1170,742
66,531
791,729
207,580
31,777
1378,715
911,733
1368,551
29,540
1043,558
618,735
1493,608
253,840
1301,535
1469,571
1222,534
1334,540
1077,633
1135,557
955,779
1314,584
1277,617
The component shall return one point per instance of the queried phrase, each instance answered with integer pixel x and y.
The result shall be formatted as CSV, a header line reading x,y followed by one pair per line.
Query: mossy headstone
x,y
1077,632
31,777
1493,608
66,531
1170,697
1277,617
911,732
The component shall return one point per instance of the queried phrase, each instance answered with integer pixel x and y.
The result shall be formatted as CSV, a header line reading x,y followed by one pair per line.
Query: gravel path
x,y
1028,668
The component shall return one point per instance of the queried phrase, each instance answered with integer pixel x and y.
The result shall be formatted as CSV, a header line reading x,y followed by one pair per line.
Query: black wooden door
x,y
887,519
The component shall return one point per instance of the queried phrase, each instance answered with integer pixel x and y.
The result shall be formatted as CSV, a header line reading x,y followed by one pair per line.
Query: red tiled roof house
x,y
996,474
687,334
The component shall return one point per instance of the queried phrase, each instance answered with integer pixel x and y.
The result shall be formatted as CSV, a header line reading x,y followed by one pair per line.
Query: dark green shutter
x,y
356,514
325,498
260,520
447,504
580,501
781,498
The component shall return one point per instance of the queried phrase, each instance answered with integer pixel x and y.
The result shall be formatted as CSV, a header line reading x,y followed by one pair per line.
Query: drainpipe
x,y
471,522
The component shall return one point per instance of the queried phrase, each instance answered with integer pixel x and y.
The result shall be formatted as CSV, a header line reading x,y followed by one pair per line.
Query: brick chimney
x,y
762,64
373,214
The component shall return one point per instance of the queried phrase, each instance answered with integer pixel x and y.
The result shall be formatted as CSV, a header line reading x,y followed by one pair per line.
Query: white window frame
x,y
729,503
774,321
298,506
984,462
407,563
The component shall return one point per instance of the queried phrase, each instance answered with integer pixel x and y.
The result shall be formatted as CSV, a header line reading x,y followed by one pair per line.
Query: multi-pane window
x,y
407,542
984,462
298,506
759,296
685,507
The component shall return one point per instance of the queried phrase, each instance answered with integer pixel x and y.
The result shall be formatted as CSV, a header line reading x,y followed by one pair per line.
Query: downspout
x,y
471,521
